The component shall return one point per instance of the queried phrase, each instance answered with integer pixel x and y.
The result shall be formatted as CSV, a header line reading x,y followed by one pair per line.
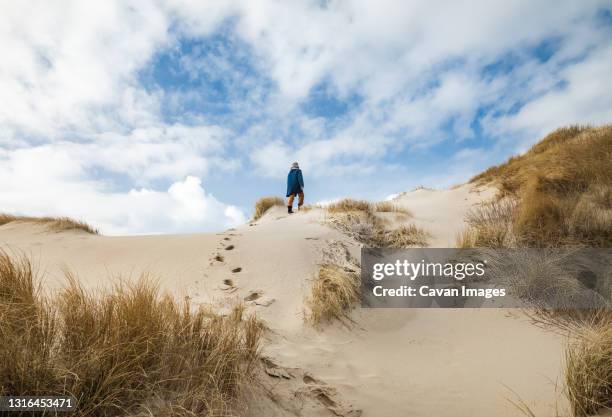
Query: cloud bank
x,y
118,112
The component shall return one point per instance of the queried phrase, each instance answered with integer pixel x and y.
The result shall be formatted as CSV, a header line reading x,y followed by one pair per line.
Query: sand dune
x,y
388,363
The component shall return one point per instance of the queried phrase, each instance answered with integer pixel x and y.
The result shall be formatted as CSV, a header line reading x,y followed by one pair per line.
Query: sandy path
x,y
441,212
432,362
391,363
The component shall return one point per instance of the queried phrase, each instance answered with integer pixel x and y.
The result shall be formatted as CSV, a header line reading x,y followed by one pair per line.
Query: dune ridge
x,y
320,354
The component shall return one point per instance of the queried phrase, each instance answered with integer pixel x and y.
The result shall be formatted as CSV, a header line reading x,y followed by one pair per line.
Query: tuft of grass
x,y
52,223
348,205
389,207
590,220
264,204
403,237
467,238
588,367
489,225
126,351
358,219
543,278
334,292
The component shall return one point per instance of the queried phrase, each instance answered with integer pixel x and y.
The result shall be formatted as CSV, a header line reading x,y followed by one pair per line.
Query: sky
x,y
175,116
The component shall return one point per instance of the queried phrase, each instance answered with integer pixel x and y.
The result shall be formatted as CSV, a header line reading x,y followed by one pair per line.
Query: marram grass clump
x,y
334,292
588,366
361,220
264,204
129,351
57,224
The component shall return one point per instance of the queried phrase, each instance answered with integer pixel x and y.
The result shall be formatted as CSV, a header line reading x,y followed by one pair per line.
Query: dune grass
x,y
266,203
563,185
348,205
588,367
123,352
390,207
52,223
402,237
335,290
359,219
489,225
561,193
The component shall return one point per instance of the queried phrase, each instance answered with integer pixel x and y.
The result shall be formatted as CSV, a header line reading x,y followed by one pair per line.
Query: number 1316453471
x,y
37,403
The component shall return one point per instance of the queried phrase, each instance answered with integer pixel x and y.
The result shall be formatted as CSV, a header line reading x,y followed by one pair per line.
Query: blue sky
x,y
159,117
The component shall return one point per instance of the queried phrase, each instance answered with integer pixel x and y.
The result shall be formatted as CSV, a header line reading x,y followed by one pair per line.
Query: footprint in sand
x,y
274,370
327,397
219,258
256,298
230,247
253,295
309,380
235,270
226,238
228,286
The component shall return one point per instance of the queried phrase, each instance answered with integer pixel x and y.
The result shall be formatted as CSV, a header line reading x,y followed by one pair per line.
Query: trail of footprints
x,y
230,285
304,390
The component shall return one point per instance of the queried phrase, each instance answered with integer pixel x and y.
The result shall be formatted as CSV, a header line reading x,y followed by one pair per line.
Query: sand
x,y
400,362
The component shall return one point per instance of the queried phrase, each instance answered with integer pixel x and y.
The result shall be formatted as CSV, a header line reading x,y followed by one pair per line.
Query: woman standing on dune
x,y
295,186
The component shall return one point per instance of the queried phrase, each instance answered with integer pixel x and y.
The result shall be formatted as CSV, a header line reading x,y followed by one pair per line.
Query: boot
x,y
289,209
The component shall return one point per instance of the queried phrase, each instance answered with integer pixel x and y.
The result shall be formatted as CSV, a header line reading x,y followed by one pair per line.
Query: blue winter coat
x,y
295,182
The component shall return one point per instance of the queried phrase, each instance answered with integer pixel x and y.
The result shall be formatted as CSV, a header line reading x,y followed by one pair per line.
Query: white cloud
x,y
70,65
76,121
183,207
582,98
80,134
419,71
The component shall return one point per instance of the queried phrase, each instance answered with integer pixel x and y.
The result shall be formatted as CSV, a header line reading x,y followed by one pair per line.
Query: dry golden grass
x,y
358,219
564,188
348,205
53,223
545,279
588,367
402,237
266,203
367,228
489,225
122,352
467,238
389,207
591,218
335,291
